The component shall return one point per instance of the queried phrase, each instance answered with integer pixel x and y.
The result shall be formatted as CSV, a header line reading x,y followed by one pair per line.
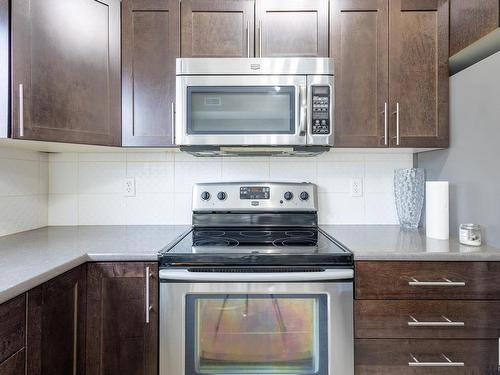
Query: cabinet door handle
x,y
386,124
397,124
172,120
21,110
148,304
445,282
248,38
444,323
260,38
446,363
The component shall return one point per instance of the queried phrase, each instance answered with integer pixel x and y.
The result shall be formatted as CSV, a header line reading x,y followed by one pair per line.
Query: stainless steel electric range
x,y
256,287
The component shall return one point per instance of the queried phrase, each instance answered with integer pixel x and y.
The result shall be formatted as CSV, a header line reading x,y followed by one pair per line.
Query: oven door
x,y
241,110
226,324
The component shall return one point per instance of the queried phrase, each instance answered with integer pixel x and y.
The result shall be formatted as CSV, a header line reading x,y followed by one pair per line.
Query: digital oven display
x,y
254,192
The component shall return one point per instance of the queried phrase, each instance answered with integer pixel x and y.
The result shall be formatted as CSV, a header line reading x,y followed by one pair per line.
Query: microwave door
x,y
241,110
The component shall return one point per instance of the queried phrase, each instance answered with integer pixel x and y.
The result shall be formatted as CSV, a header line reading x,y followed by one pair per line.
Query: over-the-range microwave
x,y
228,106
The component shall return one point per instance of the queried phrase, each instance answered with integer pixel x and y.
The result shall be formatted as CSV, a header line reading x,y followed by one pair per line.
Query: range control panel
x,y
320,109
254,196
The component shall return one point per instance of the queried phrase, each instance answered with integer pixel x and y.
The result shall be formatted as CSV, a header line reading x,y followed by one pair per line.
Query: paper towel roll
x,y
437,210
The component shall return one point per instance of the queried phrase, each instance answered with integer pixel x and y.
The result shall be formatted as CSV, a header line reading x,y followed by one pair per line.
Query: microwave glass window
x,y
256,334
241,110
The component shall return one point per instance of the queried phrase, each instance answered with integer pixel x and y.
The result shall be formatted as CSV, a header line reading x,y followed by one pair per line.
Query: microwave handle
x,y
303,110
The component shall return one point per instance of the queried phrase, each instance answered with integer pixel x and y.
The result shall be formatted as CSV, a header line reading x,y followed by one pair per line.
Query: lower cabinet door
x,y
55,342
426,357
122,318
14,365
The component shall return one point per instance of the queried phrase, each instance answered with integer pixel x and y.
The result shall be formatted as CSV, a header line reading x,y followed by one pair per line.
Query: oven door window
x,y
241,110
256,334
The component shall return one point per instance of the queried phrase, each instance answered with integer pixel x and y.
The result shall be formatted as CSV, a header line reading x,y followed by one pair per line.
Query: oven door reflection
x,y
256,334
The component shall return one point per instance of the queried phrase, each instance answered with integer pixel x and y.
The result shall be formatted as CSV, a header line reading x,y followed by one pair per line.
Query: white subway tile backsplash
x,y
293,171
101,210
164,182
245,171
152,177
19,213
341,208
335,177
189,173
63,178
101,177
380,208
63,209
150,209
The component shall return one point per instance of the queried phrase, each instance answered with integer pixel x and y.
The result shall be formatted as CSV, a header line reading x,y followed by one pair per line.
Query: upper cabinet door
x,y
292,28
359,44
150,47
470,20
418,72
217,28
66,71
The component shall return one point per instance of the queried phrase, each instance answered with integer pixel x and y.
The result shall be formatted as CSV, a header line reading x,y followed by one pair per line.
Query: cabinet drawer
x,y
427,280
443,357
427,319
12,326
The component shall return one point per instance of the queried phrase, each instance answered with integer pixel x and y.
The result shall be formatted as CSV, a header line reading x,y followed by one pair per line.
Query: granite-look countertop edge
x,y
30,258
391,243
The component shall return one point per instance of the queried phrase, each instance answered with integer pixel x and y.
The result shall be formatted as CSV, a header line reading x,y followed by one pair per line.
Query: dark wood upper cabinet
x,y
217,28
66,71
359,44
470,20
292,28
55,342
150,46
418,72
121,337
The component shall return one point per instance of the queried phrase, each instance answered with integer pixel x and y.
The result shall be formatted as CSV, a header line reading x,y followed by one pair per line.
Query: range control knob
x,y
205,195
288,196
304,196
221,195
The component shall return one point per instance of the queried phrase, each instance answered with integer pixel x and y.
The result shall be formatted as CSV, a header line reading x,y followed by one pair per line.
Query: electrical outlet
x,y
129,187
356,187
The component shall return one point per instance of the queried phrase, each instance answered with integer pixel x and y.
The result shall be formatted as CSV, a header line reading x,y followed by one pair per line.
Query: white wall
x,y
471,164
23,190
87,189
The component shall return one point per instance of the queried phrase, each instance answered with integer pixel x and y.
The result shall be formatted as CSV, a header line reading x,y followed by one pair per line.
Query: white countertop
x,y
30,258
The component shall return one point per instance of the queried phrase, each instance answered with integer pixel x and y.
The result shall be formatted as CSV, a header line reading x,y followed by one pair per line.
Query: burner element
x,y
300,233
255,233
294,242
211,233
217,241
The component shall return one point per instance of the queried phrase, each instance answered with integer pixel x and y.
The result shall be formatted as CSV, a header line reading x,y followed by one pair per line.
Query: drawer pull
x,y
445,282
445,323
446,363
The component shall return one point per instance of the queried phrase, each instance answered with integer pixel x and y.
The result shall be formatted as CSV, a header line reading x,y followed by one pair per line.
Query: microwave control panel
x,y
320,109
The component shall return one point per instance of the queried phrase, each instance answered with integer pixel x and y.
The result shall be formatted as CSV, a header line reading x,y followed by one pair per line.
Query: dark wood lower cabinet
x,y
121,337
14,365
445,319
55,342
12,326
394,357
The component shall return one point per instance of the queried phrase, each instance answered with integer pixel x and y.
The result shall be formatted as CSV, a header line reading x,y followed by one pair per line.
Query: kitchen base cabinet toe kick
x,y
427,318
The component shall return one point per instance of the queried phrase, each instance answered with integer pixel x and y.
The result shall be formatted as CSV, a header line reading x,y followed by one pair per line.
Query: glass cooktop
x,y
262,246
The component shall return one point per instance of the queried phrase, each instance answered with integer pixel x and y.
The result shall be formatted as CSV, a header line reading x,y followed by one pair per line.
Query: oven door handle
x,y
186,275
